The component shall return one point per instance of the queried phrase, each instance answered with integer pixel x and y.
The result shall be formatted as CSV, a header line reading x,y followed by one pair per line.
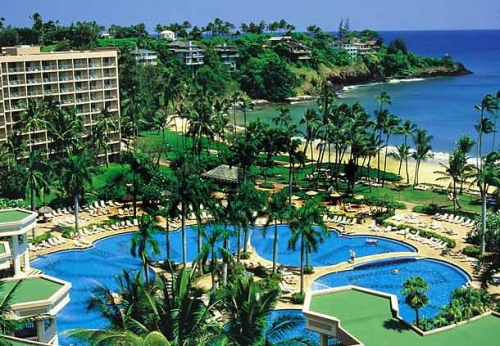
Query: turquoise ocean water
x,y
443,106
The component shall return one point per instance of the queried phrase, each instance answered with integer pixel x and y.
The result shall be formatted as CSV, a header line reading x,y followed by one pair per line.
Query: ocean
x,y
444,106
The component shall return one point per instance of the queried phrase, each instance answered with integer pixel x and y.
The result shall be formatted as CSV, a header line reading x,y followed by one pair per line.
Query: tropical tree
x,y
75,178
33,118
301,222
381,115
246,105
277,209
455,171
105,124
407,129
423,150
7,325
215,238
37,179
144,239
414,290
390,125
486,165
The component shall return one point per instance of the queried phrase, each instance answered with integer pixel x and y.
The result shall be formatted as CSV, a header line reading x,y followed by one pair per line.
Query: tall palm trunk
x,y
238,245
32,196
214,267
167,239
275,247
224,263
184,239
246,235
77,207
302,264
385,158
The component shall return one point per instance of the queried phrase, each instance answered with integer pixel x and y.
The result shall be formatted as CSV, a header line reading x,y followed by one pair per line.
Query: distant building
x,y
296,50
85,80
187,52
228,55
167,35
35,299
145,56
356,47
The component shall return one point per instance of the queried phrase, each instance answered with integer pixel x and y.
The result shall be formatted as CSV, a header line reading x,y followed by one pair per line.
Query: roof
x,y
13,341
225,173
367,316
30,289
13,215
167,32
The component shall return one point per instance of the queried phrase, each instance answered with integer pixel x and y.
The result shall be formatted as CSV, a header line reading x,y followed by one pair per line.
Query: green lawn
x,y
368,317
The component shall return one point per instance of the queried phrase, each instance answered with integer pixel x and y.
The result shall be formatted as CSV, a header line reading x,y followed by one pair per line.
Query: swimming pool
x,y
335,248
100,264
442,278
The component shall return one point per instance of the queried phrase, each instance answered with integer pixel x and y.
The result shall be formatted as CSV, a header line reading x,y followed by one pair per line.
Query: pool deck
x,y
293,284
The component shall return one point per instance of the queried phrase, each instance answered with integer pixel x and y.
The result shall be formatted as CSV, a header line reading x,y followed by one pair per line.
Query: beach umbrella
x,y
335,194
311,193
45,210
295,198
359,197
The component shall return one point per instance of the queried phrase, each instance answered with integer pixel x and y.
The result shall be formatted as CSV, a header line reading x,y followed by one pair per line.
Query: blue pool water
x,y
100,264
335,248
442,278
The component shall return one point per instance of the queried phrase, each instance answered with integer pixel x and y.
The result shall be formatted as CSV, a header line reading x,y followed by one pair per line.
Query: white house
x,y
145,56
167,35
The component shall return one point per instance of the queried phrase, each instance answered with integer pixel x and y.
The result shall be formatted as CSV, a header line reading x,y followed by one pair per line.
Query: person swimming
x,y
395,271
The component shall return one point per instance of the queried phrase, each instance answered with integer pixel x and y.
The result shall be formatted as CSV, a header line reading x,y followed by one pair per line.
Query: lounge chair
x,y
284,288
32,247
52,242
414,236
459,220
120,212
444,217
77,243
115,227
135,222
129,223
85,241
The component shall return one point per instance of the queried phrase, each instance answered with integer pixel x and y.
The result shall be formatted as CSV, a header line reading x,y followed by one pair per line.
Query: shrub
x,y
245,255
472,251
308,270
298,298
41,238
67,232
267,185
261,272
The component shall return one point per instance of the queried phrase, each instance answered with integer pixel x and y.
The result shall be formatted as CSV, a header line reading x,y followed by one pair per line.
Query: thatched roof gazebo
x,y
226,174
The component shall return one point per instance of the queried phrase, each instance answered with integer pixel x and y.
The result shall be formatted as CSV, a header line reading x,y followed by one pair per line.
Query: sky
x,y
362,14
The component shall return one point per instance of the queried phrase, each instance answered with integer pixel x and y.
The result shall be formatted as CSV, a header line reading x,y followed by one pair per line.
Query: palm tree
x,y
456,170
7,325
382,114
105,124
64,127
277,209
248,307
75,177
246,105
407,129
98,337
484,126
488,174
144,239
243,208
390,126
414,290
312,122
214,240
33,118
37,180
235,98
423,150
301,223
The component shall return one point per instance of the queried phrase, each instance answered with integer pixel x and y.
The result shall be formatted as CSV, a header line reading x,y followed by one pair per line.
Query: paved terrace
x,y
368,318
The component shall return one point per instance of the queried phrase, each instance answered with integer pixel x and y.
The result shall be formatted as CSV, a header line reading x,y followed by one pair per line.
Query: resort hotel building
x,y
32,297
84,80
356,47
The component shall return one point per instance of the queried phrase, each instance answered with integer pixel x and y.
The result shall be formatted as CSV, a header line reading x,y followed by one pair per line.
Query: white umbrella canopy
x,y
311,193
359,197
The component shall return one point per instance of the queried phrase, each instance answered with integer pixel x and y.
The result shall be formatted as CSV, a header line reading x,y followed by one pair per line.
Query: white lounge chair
x,y
129,223
77,243
135,222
